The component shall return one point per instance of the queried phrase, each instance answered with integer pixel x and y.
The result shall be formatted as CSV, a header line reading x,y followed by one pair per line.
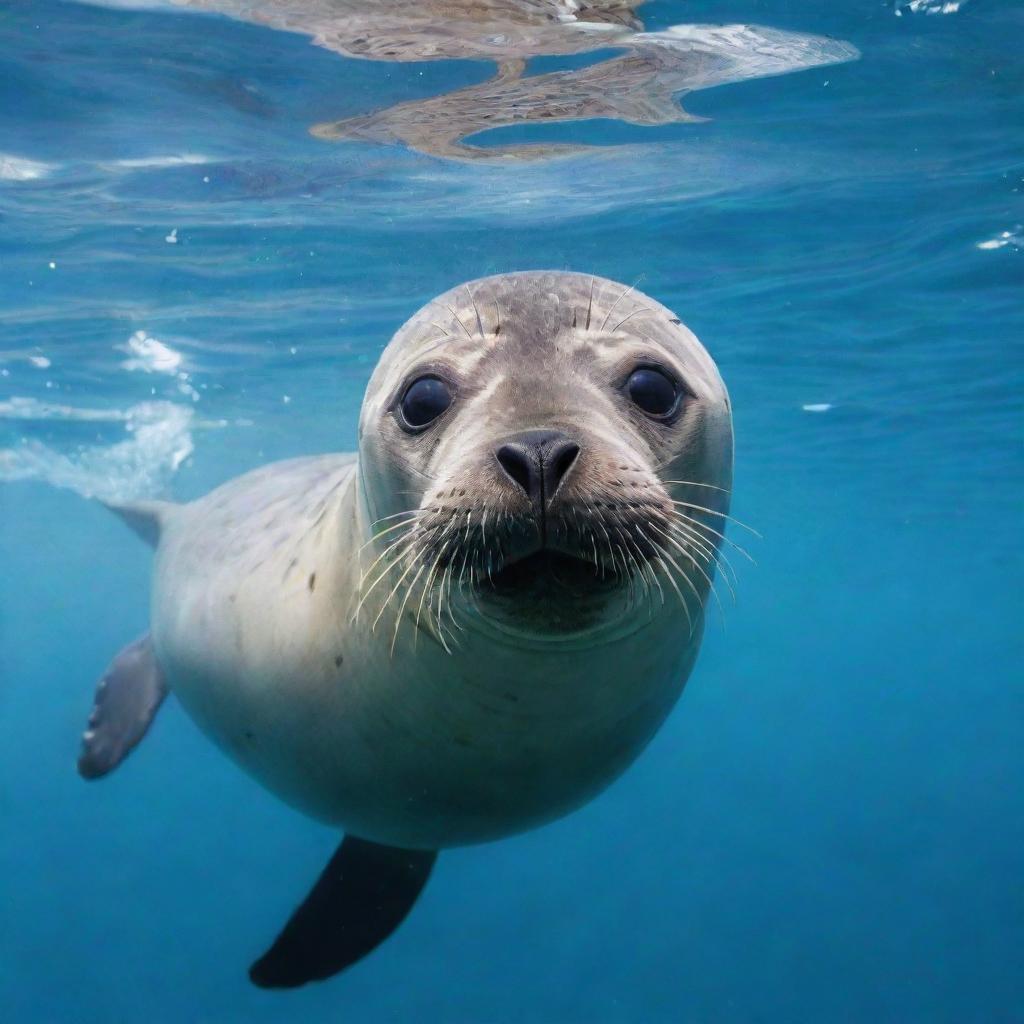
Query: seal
x,y
471,627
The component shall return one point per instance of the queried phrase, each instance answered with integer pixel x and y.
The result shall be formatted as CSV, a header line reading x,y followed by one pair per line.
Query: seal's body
x,y
471,627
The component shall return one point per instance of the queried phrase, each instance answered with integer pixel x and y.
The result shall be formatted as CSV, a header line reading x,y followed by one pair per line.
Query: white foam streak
x,y
17,168
927,7
30,409
150,355
158,440
750,51
144,162
1004,238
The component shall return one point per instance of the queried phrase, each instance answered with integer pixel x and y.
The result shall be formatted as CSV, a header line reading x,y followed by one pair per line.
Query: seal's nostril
x,y
558,462
520,464
537,461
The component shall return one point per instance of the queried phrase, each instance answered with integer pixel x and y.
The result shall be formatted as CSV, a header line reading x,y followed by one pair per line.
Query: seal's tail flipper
x,y
126,701
146,518
363,895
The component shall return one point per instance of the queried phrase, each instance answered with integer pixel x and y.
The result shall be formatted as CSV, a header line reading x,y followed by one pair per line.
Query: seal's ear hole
x,y
424,400
653,391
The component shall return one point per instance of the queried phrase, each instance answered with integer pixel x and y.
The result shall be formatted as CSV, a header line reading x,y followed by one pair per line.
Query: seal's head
x,y
546,451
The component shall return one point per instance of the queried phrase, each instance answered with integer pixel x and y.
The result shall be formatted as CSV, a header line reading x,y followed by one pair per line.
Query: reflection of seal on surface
x,y
468,629
644,86
641,86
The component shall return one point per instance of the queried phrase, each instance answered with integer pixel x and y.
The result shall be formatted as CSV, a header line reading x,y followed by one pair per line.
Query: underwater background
x,y
830,826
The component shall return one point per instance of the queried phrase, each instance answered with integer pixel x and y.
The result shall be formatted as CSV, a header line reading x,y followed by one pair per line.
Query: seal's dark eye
x,y
653,391
424,400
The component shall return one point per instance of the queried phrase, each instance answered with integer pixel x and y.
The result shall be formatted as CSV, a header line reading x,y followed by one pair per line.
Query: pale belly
x,y
252,623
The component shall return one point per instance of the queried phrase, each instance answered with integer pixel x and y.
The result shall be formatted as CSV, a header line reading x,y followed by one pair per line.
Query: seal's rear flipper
x,y
126,700
146,518
363,895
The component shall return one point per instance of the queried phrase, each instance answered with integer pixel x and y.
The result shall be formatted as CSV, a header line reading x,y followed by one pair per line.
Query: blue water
x,y
830,827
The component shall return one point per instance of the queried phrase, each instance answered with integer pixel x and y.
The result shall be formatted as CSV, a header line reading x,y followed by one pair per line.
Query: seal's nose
x,y
537,462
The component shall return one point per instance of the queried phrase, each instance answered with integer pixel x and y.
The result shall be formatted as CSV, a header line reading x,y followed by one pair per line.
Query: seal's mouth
x,y
548,593
546,570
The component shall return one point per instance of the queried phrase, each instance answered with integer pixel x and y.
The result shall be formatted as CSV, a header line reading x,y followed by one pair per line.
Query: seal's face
x,y
546,450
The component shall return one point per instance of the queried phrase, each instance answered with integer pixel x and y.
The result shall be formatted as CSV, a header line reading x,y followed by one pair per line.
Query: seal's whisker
x,y
689,527
629,316
686,549
712,563
627,574
682,517
462,570
405,539
441,543
426,590
618,554
406,512
687,554
708,553
600,523
476,309
460,323
410,542
441,640
446,592
599,564
675,565
439,594
459,579
440,631
408,521
450,605
697,483
644,560
614,304
675,586
590,303
363,595
383,533
394,590
638,575
713,512
630,576
704,544
645,569
722,561
654,579
442,602
401,608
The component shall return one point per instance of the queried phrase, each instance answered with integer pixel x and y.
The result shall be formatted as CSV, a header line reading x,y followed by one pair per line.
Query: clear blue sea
x,y
830,827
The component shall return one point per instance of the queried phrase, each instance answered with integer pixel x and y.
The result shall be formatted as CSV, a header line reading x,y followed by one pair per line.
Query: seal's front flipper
x,y
126,700
363,895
